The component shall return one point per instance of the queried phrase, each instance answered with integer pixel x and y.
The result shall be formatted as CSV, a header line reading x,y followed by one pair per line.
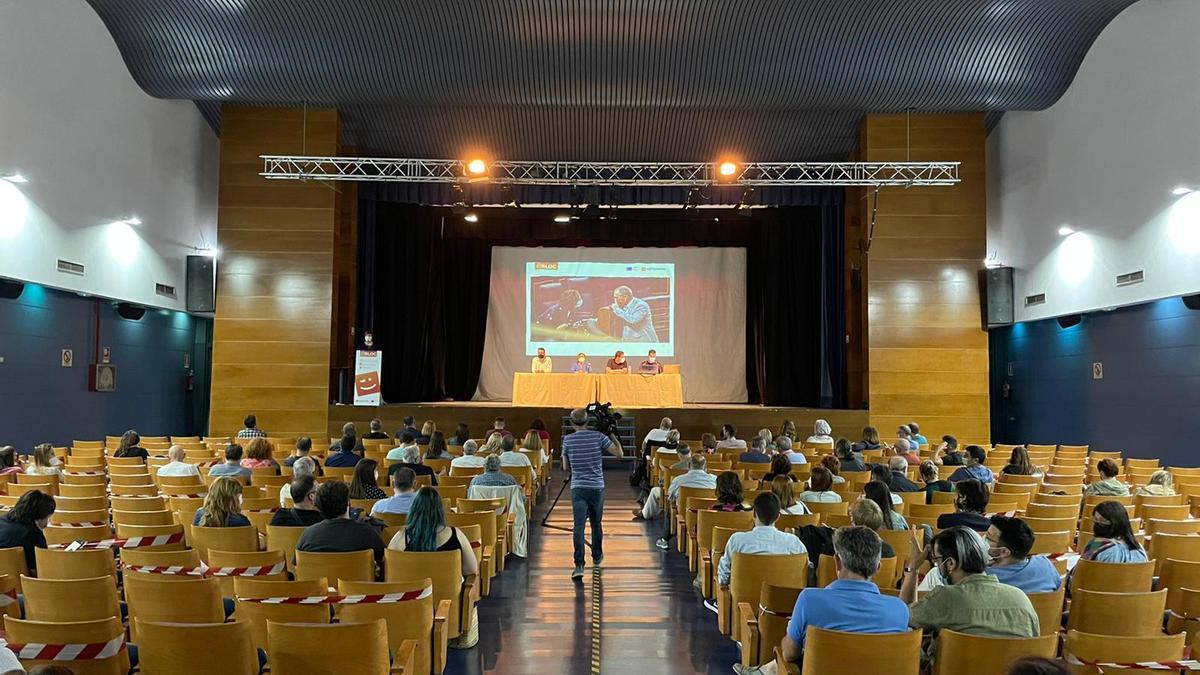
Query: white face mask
x,y
581,361
650,359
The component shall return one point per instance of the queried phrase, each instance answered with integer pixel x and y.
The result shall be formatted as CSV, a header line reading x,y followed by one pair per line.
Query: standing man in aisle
x,y
541,362
583,452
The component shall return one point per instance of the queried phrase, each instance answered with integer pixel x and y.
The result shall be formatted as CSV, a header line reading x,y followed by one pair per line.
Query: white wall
x,y
95,148
1104,160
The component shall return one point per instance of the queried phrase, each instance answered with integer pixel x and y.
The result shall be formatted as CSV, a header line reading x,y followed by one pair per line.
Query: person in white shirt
x,y
305,466
469,458
821,487
541,362
764,539
729,438
821,434
510,457
407,442
178,467
658,436
785,449
697,476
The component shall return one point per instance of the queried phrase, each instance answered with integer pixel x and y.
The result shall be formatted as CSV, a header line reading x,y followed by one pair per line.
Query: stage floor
x,y
692,419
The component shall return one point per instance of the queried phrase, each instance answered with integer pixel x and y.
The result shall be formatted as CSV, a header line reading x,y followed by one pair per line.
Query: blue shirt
x,y
847,605
1036,575
493,479
584,451
341,459
227,469
395,504
586,367
978,472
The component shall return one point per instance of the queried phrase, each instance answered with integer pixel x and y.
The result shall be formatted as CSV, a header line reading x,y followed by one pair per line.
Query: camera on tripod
x,y
606,419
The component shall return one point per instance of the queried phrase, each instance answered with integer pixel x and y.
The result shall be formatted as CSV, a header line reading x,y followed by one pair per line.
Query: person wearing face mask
x,y
1009,541
972,601
971,502
541,362
23,524
581,364
617,364
650,366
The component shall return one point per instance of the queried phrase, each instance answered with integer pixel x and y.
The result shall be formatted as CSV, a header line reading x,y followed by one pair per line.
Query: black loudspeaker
x,y
1192,301
130,311
1069,320
11,290
201,283
996,288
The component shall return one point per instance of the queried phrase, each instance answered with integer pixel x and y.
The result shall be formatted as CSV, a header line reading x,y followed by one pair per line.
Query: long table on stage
x,y
574,390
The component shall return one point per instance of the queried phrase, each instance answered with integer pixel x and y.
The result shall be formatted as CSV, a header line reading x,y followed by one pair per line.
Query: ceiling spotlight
x,y
562,218
471,218
1178,191
1065,231
695,196
727,170
743,207
476,167
14,178
131,220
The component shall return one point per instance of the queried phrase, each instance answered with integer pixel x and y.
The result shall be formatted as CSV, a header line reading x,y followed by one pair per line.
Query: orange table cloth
x,y
641,391
554,390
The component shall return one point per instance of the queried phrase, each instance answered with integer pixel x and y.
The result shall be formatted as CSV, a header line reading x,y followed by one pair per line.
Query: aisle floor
x,y
651,620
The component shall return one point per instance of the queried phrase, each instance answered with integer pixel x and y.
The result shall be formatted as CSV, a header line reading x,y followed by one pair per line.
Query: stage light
x,y
743,207
477,167
727,170
14,178
695,196
1069,320
471,218
1065,231
1181,191
562,218
507,198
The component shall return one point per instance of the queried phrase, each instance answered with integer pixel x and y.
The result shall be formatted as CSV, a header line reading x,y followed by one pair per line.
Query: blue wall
x,y
40,401
1147,404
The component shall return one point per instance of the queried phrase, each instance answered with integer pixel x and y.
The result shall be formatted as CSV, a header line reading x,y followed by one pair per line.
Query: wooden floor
x,y
643,616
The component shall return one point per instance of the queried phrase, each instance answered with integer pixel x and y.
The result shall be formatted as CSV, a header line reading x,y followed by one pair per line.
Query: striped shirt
x,y
584,451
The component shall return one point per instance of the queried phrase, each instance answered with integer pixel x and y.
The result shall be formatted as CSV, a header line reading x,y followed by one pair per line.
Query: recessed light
x,y
15,178
212,252
1181,190
1065,231
562,218
471,218
131,220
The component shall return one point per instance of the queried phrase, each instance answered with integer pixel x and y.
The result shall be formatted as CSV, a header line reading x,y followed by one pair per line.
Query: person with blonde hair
x,y
44,462
781,486
1161,484
533,443
494,444
767,437
222,505
427,430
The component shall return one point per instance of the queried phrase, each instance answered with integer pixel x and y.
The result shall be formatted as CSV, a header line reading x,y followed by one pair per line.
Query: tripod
x,y
546,518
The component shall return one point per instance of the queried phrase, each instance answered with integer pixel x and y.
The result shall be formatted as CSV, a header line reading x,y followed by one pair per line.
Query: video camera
x,y
606,419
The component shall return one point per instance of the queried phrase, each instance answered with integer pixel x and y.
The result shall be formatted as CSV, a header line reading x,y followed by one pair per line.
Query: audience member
x,y
948,453
1113,540
852,603
697,477
767,438
820,487
1160,484
343,456
781,487
849,460
258,455
23,524
1009,541
407,442
780,466
915,434
540,427
348,429
176,466
427,430
908,450
788,428
469,457
9,461
974,468
493,445
412,460
883,474
461,435
303,448
929,474
969,504
756,454
250,428
879,493
438,449
365,484
303,491
821,434
835,468
1109,483
899,482
425,530
533,442
729,438
498,428
129,446
401,501
408,423
794,456
903,434
870,440
492,476
233,464
510,456
654,498
376,432
764,539
44,462
337,533
729,493
222,505
708,444
305,466
656,437
1019,463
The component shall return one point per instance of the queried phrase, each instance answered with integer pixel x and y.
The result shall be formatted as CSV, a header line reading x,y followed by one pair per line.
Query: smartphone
x,y
75,545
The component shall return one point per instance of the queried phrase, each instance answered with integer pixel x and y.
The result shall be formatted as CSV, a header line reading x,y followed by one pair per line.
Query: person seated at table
x,y
581,365
651,366
617,364
541,362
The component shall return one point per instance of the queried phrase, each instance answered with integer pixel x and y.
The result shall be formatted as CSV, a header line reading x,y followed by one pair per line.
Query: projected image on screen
x,y
598,308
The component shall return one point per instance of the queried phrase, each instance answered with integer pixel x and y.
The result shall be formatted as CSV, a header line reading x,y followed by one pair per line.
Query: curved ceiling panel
x,y
609,79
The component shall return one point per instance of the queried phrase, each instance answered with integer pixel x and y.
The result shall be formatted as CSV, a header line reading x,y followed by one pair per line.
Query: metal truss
x,y
849,174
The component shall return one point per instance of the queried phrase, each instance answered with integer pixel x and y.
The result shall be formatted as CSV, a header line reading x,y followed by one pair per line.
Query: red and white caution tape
x,y
206,571
199,496
373,599
1185,664
1006,514
273,509
33,651
84,473
131,542
95,523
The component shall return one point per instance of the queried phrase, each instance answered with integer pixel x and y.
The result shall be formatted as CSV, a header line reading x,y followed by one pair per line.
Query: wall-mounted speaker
x,y
996,291
11,290
201,283
128,310
1192,301
1069,320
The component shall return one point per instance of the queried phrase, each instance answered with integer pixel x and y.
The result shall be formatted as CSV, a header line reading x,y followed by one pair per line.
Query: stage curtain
x,y
424,291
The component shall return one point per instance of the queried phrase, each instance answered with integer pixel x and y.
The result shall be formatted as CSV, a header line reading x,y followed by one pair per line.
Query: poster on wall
x,y
368,386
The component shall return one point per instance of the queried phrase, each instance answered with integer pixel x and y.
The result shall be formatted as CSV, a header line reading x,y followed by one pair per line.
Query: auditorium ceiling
x,y
596,80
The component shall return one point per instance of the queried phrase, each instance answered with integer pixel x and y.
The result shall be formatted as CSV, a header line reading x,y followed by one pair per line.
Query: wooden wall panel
x,y
928,355
275,279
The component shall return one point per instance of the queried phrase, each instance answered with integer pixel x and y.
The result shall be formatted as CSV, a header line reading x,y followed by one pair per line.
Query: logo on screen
x,y
545,266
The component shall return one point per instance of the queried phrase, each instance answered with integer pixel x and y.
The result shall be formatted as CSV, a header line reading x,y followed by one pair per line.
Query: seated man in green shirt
x,y
973,602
